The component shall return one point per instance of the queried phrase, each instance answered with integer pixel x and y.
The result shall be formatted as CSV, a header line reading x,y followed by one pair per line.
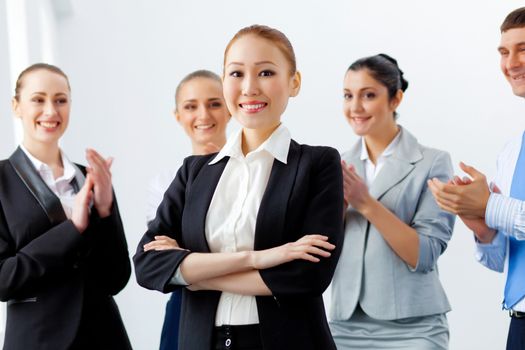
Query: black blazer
x,y
58,283
302,197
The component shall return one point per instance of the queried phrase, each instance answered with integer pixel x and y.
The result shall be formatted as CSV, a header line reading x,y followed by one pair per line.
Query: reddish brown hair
x,y
275,36
35,67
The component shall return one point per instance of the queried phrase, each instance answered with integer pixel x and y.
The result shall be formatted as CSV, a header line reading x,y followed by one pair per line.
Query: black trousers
x,y
516,337
237,338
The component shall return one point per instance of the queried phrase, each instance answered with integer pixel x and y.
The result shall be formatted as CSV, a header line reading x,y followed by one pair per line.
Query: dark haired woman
x,y
386,293
63,253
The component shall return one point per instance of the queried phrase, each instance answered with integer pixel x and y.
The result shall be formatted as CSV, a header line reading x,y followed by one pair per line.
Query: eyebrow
x,y
45,94
195,100
365,88
521,43
256,63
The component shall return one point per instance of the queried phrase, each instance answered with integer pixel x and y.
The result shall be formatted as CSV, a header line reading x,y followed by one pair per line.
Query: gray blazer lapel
x,y
397,166
353,156
49,202
391,174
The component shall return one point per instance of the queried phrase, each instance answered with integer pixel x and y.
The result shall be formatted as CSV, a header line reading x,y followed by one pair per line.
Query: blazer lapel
x,y
398,165
49,202
391,174
353,156
272,211
199,199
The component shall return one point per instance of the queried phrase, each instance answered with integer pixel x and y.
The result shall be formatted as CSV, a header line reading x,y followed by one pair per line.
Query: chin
x,y
359,131
519,91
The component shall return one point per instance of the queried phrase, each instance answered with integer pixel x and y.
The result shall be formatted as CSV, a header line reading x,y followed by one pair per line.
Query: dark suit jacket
x,y
58,283
302,197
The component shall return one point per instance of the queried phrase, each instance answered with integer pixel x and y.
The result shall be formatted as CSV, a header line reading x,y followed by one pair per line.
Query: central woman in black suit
x,y
254,231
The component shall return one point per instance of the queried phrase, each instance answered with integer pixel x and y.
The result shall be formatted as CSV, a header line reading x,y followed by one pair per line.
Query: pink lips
x,y
253,106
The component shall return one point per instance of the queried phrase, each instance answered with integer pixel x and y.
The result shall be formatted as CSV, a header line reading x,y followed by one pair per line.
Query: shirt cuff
x,y
492,254
501,212
178,279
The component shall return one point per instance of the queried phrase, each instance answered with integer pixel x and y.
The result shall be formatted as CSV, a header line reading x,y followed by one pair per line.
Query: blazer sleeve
x,y
108,261
21,271
433,225
154,269
323,215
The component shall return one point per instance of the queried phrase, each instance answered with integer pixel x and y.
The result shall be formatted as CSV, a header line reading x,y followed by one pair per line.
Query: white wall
x,y
125,57
6,125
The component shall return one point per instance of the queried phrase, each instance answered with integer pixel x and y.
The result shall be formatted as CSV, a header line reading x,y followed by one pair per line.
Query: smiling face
x,y
512,63
257,82
367,105
43,105
202,112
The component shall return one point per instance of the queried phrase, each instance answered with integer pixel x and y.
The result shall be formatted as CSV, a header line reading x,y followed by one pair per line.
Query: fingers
x,y
494,188
99,170
161,243
439,188
475,174
467,180
85,194
444,200
98,165
461,181
315,241
109,162
309,247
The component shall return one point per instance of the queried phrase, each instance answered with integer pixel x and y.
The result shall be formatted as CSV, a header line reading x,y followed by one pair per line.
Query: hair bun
x,y
403,81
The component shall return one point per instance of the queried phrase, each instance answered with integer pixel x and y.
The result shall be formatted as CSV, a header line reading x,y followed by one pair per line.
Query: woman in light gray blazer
x,y
386,292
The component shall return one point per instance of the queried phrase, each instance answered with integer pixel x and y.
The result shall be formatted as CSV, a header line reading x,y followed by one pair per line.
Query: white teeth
x,y
49,125
518,77
204,127
253,107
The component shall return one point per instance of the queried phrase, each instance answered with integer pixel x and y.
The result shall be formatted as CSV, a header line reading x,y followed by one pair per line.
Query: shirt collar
x,y
389,150
277,145
70,171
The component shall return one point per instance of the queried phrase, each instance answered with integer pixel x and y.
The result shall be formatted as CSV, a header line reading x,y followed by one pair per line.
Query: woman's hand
x,y
355,190
80,212
99,169
305,248
162,243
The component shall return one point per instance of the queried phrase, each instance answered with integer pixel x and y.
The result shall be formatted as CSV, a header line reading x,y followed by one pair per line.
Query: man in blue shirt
x,y
496,213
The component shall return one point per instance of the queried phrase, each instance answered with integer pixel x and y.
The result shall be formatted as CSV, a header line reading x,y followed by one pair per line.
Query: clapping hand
x,y
99,171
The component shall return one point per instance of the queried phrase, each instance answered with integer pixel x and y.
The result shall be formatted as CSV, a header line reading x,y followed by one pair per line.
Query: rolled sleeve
x,y
178,279
433,225
492,255
506,214
429,251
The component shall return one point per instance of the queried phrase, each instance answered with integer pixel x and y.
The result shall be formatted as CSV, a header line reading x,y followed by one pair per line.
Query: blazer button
x,y
75,266
228,342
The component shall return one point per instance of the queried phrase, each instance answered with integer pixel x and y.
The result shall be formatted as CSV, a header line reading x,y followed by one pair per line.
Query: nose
x,y
513,60
250,86
50,109
356,105
203,112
